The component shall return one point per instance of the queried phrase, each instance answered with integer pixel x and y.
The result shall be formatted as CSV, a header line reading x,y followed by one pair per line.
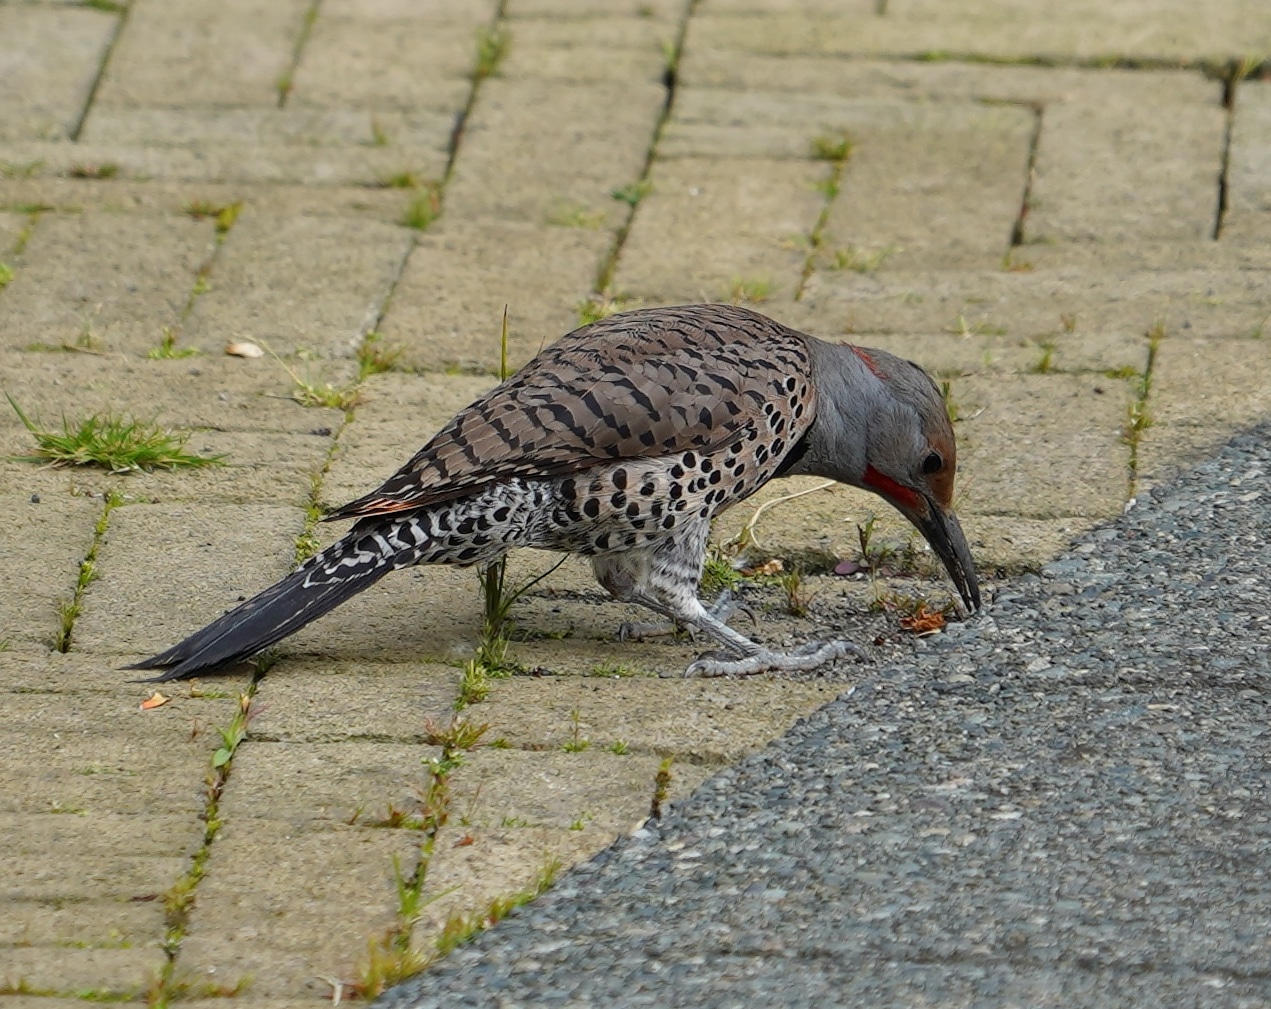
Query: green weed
x,y
752,290
493,45
168,349
424,209
568,214
374,357
115,443
633,192
576,743
857,260
103,171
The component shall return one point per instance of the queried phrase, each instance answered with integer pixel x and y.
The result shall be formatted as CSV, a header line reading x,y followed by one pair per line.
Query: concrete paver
x,y
189,54
52,58
447,309
310,282
1026,197
106,282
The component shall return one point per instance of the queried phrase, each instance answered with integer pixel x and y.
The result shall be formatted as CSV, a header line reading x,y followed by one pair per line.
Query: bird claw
x,y
802,659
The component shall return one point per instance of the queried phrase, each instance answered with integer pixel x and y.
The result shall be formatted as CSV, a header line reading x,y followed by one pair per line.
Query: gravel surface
x,y
1063,802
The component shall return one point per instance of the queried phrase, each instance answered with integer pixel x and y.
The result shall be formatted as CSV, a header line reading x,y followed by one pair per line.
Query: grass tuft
x,y
492,48
118,444
168,349
424,209
752,290
374,357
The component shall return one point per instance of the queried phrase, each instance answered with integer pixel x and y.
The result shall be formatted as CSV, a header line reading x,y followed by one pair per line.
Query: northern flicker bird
x,y
621,442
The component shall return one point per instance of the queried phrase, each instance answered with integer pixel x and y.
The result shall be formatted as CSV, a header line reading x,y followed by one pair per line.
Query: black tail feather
x,y
263,620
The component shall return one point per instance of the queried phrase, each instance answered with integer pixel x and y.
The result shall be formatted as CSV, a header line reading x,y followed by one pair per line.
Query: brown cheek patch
x,y
890,489
869,361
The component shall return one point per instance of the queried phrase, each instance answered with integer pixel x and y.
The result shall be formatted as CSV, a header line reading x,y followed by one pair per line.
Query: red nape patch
x,y
890,489
869,361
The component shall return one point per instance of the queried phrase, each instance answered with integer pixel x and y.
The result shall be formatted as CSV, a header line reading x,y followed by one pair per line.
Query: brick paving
x,y
1024,194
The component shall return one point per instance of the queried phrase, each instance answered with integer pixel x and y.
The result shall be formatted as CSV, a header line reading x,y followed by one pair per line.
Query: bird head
x,y
907,455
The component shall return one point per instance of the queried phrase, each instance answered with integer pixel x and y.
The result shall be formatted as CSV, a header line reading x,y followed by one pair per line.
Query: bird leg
x,y
676,600
722,609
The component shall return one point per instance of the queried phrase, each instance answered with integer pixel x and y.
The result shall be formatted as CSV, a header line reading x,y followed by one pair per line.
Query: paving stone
x,y
814,77
1028,304
598,48
373,64
49,60
107,281
1042,446
475,14
1200,392
175,197
737,222
188,53
166,570
96,924
994,28
211,162
247,921
43,545
1248,217
66,970
932,188
311,785
119,858
328,702
711,721
1133,167
292,283
1142,257
592,790
95,753
655,10
552,152
238,409
446,312
11,228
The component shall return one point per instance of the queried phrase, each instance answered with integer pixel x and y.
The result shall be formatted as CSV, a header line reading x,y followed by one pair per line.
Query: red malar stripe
x,y
890,489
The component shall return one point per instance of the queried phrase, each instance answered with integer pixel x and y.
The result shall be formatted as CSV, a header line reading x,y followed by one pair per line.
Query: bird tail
x,y
318,586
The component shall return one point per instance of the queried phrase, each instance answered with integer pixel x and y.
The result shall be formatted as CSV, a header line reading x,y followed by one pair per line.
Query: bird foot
x,y
802,659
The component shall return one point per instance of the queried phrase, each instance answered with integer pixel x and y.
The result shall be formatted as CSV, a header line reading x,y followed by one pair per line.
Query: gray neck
x,y
847,393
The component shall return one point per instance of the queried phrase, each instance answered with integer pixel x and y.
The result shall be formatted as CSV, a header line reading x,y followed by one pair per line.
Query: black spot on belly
x,y
591,508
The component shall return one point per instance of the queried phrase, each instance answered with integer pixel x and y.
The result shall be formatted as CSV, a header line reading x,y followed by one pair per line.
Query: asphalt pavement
x,y
1061,802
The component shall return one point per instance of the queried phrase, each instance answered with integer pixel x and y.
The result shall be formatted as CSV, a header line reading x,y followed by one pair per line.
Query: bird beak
x,y
943,531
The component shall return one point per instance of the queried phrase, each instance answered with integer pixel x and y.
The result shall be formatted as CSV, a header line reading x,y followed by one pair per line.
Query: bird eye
x,y
932,464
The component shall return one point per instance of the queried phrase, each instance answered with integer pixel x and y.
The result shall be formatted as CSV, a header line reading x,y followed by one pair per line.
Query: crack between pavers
x,y
179,899
86,574
1236,73
496,33
830,187
1030,176
123,12
670,81
1138,417
287,81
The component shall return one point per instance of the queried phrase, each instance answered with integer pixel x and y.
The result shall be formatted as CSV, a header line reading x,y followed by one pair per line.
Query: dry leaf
x,y
243,348
464,841
772,567
155,700
925,621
